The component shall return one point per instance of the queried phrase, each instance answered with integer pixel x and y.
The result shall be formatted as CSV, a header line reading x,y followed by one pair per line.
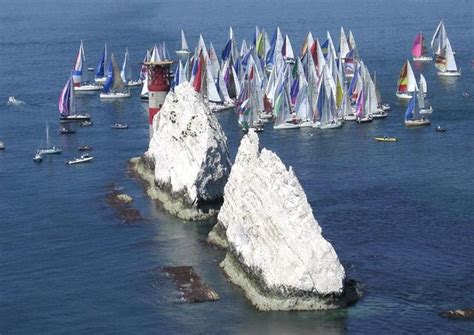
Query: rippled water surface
x,y
400,216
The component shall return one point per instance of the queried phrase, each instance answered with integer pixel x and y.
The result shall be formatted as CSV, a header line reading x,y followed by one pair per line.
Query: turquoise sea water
x,y
400,216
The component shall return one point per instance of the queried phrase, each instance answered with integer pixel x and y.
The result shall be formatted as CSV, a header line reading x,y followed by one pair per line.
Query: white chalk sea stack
x,y
187,163
275,250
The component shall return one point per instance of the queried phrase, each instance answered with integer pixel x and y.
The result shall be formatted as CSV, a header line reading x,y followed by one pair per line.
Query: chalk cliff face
x,y
275,250
187,163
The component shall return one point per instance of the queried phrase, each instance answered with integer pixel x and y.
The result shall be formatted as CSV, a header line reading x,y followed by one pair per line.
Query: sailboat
x,y
446,63
126,73
284,119
48,150
423,104
381,106
406,82
78,75
100,75
184,51
114,87
418,49
67,105
412,115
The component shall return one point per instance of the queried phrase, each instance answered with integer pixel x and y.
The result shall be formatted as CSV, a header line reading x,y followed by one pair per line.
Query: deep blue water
x,y
400,216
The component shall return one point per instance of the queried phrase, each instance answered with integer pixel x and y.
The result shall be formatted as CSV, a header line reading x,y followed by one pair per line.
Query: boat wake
x,y
14,102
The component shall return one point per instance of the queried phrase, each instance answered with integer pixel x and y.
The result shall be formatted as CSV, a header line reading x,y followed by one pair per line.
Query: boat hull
x,y
416,123
49,151
380,115
406,95
386,139
79,161
88,88
117,95
134,83
423,59
449,73
286,126
350,118
75,118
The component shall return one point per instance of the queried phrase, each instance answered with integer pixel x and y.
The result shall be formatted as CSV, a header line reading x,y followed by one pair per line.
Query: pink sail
x,y
417,49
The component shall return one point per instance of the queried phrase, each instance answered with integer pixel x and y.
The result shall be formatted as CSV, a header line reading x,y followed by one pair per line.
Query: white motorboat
x,y
38,158
85,158
119,126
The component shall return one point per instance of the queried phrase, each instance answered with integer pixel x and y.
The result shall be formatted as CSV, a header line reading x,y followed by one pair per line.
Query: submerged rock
x,y
121,201
190,284
465,314
187,163
275,250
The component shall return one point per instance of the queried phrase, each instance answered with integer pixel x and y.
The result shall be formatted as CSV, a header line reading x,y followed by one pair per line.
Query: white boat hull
x,y
183,52
449,73
79,161
87,88
286,126
117,95
423,59
368,118
134,83
49,151
380,114
220,107
418,122
306,124
350,118
406,95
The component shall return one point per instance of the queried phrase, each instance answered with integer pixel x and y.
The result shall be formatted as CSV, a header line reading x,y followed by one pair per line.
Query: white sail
x,y
451,65
412,85
423,85
352,42
212,92
126,72
302,106
289,54
331,48
214,61
155,55
343,44
438,42
184,43
144,91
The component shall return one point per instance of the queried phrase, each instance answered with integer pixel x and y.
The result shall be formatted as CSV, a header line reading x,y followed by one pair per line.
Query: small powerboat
x,y
386,139
2,146
37,158
85,158
440,129
65,131
86,124
85,147
119,126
